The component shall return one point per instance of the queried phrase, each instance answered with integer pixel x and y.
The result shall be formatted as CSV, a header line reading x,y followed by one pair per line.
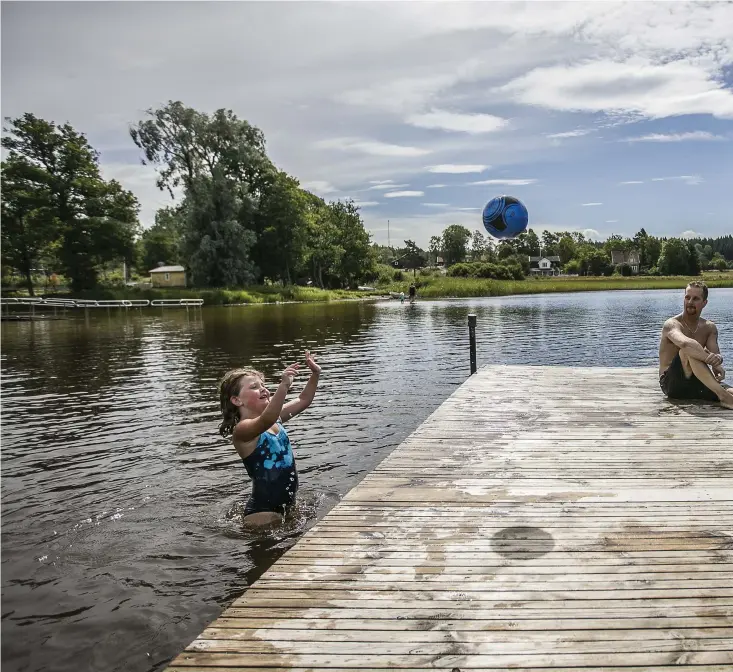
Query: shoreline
x,y
428,287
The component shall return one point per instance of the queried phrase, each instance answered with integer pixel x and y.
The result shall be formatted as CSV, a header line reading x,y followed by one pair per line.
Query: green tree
x,y
527,244
199,152
185,144
215,244
594,261
29,226
674,259
435,248
478,246
549,243
96,221
455,243
718,262
281,223
356,260
566,248
694,265
411,256
322,251
160,244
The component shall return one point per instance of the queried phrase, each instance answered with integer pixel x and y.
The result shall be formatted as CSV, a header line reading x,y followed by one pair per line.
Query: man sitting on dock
x,y
690,363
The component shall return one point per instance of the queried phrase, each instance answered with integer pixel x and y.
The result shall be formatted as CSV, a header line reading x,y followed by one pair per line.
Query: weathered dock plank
x,y
543,518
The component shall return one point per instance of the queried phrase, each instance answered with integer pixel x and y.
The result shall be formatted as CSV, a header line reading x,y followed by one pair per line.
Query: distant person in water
x,y
254,419
690,363
413,292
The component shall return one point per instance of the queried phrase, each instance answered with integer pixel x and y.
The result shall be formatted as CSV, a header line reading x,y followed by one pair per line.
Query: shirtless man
x,y
690,363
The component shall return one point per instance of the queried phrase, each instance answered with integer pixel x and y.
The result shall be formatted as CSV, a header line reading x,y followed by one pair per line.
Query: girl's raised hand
x,y
311,363
290,373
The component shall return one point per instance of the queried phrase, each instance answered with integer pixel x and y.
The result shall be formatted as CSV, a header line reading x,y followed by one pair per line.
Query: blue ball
x,y
505,217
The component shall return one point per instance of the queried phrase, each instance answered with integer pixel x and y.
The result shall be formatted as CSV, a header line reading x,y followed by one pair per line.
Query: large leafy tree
x,y
29,226
281,223
185,144
58,170
674,258
435,248
322,249
194,151
357,259
455,243
214,242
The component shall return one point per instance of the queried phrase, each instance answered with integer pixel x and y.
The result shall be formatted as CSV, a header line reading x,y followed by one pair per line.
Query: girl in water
x,y
254,420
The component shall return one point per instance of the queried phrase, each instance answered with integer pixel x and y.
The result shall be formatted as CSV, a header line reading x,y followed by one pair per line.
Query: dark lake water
x,y
121,536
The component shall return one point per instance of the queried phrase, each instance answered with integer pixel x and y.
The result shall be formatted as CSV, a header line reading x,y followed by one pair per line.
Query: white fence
x,y
35,302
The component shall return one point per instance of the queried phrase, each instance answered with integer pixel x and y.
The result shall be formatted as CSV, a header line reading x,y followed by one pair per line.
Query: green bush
x,y
509,269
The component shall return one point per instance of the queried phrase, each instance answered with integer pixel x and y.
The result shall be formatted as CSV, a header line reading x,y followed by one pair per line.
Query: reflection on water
x,y
121,505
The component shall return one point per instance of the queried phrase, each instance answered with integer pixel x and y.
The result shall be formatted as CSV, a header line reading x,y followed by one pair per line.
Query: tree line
x,y
240,220
243,221
577,254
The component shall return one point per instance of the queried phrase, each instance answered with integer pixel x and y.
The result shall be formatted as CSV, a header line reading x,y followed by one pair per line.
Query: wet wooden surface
x,y
543,518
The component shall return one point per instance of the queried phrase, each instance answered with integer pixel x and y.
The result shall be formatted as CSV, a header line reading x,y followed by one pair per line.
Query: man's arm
x,y
711,345
673,332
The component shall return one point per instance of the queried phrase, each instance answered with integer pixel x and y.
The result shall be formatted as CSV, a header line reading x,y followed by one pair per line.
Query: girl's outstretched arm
x,y
309,391
250,428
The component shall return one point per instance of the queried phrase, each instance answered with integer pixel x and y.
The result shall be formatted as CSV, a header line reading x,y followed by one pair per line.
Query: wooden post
x,y
472,341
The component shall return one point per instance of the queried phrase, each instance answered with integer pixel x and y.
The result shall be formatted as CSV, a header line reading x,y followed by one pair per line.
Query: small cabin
x,y
168,276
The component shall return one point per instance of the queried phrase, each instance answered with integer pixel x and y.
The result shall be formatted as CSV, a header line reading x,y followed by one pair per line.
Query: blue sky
x,y
602,117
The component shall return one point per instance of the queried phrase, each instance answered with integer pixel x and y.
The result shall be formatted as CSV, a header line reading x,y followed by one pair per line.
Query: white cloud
x,y
473,124
467,209
435,205
457,168
635,86
692,180
386,185
632,182
365,204
372,147
676,137
592,234
570,134
436,186
689,234
380,181
611,221
413,60
505,183
587,205
403,194
320,187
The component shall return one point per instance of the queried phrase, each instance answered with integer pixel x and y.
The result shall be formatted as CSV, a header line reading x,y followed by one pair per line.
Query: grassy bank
x,y
429,287
218,297
443,287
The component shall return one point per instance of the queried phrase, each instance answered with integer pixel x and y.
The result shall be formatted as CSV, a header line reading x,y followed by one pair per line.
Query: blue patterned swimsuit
x,y
271,466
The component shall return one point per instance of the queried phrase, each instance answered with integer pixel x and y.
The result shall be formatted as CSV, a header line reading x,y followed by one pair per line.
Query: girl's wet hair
x,y
230,386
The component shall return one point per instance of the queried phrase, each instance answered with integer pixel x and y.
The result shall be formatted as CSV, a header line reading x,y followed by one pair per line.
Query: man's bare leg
x,y
706,377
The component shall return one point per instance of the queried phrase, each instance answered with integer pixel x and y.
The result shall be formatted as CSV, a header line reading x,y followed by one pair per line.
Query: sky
x,y
601,117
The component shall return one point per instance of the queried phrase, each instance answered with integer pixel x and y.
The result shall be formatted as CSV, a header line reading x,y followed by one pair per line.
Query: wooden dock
x,y
543,518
